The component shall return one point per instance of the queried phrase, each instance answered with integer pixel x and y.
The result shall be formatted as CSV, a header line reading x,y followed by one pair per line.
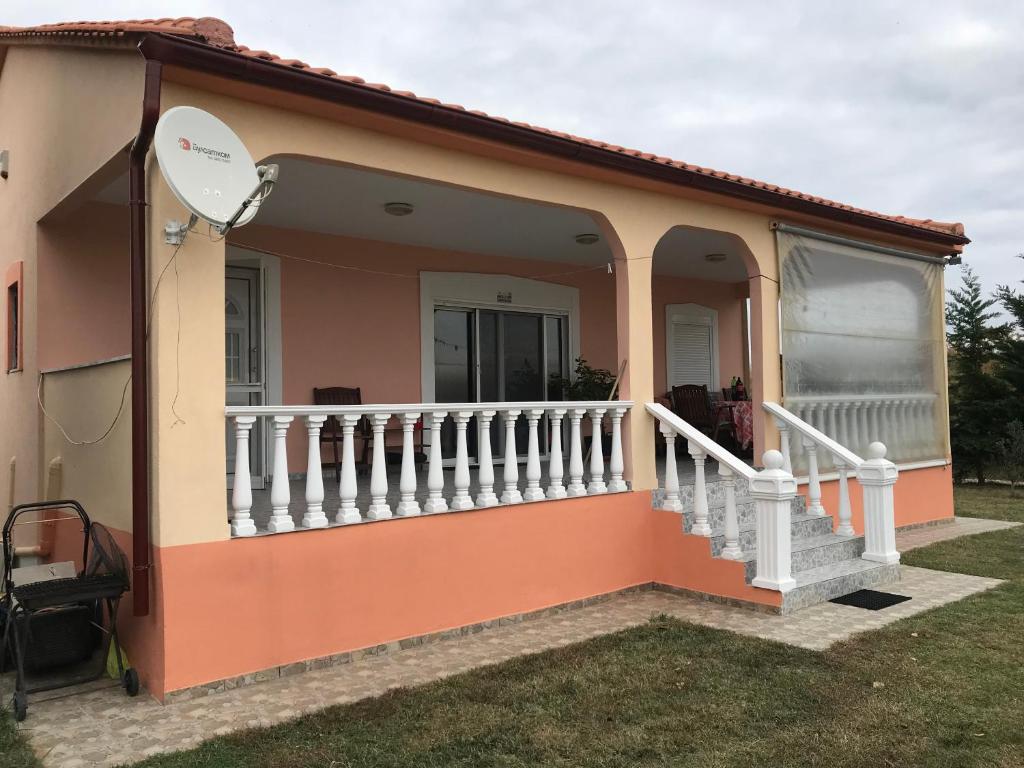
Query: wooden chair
x,y
692,403
331,431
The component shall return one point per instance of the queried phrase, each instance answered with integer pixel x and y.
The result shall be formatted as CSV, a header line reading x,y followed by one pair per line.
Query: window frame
x,y
14,314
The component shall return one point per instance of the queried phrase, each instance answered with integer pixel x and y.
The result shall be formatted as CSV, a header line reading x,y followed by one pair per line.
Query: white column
x,y
533,490
787,462
616,465
241,490
597,484
435,473
461,500
814,506
408,506
845,516
576,487
672,503
844,425
877,476
379,508
700,525
732,550
347,487
485,475
314,517
280,493
511,494
773,490
555,488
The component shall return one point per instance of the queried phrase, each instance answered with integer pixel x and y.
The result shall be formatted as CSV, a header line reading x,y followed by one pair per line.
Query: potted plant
x,y
586,383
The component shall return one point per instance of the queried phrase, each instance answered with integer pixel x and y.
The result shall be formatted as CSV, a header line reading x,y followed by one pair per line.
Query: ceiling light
x,y
587,238
715,257
398,209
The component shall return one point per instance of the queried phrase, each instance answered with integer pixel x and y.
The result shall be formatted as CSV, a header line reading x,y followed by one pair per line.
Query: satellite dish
x,y
209,169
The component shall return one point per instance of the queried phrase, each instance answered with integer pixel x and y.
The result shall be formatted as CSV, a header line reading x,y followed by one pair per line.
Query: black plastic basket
x,y
58,637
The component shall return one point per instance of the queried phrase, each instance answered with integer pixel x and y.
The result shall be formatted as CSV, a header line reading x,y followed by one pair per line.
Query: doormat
x,y
870,600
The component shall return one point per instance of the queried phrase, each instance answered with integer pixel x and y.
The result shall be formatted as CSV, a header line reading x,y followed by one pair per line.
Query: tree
x,y
1011,449
1010,348
977,396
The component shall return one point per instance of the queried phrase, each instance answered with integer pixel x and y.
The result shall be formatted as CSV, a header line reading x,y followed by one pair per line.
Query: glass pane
x,y
453,356
557,359
522,357
490,389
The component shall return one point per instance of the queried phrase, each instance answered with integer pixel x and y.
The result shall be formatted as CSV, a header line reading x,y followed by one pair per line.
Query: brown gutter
x,y
140,353
225,63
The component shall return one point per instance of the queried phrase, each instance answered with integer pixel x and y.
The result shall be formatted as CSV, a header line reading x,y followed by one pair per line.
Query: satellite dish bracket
x,y
268,176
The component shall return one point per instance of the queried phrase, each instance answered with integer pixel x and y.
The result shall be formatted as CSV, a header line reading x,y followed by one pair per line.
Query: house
x,y
452,266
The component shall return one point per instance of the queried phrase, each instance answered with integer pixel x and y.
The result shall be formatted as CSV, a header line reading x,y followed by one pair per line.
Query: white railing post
x,y
280,492
485,474
511,494
379,508
845,527
533,490
314,517
877,475
461,500
408,506
555,488
241,491
814,506
732,550
787,462
576,487
347,486
616,465
672,503
597,484
700,525
773,490
435,472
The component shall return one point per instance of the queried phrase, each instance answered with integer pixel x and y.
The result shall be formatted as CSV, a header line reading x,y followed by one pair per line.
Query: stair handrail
x,y
786,420
707,445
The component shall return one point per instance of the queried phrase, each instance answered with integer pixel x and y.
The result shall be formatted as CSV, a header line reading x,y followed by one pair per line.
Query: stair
x,y
824,565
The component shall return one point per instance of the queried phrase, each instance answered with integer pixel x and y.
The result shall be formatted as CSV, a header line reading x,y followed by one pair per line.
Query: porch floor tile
x,y
100,726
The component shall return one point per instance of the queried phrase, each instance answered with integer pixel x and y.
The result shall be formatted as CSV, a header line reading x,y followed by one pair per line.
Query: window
x,y
15,317
691,345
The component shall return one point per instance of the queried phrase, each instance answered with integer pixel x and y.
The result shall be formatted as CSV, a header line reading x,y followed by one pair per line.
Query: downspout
x,y
140,353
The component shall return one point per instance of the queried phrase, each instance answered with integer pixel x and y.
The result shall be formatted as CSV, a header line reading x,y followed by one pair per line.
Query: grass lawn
x,y
945,688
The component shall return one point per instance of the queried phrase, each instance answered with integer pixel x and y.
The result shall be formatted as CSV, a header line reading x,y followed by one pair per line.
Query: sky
x,y
913,108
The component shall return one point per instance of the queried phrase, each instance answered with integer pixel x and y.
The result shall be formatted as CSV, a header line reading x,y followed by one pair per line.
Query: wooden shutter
x,y
691,351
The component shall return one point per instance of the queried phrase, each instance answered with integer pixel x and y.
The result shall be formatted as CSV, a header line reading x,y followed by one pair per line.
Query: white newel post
x,y
616,465
700,525
347,488
485,475
672,502
511,494
877,476
280,494
379,508
814,505
732,550
461,500
408,506
597,484
773,490
435,473
787,462
845,527
533,490
576,487
241,490
314,517
555,488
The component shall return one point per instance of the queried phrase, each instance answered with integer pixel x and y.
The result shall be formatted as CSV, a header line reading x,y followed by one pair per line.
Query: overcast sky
x,y
912,108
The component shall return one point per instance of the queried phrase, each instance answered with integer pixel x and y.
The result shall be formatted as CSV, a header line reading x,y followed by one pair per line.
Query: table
x,y
741,414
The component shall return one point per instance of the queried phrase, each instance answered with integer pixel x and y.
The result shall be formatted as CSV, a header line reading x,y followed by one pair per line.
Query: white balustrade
x,y
877,476
671,501
731,550
408,502
700,525
845,527
773,490
814,505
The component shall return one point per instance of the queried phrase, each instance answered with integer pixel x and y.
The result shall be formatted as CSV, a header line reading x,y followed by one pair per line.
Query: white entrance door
x,y
244,360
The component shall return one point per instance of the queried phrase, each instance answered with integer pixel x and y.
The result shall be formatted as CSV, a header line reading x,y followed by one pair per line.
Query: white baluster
x,y
877,476
435,473
241,490
700,525
379,508
314,517
845,516
408,506
616,465
347,486
814,506
280,492
576,487
844,424
597,484
732,550
461,500
855,431
555,488
672,503
902,431
832,431
784,443
875,432
773,490
486,497
533,490
511,494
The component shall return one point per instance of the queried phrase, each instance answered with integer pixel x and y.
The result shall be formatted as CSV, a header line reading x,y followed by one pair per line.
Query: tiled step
x,y
745,513
803,526
818,585
815,552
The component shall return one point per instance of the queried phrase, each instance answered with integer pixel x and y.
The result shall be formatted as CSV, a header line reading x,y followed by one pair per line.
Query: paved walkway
x,y
102,727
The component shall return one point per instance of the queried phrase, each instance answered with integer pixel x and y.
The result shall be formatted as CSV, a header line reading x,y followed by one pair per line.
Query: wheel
x,y
19,704
131,682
